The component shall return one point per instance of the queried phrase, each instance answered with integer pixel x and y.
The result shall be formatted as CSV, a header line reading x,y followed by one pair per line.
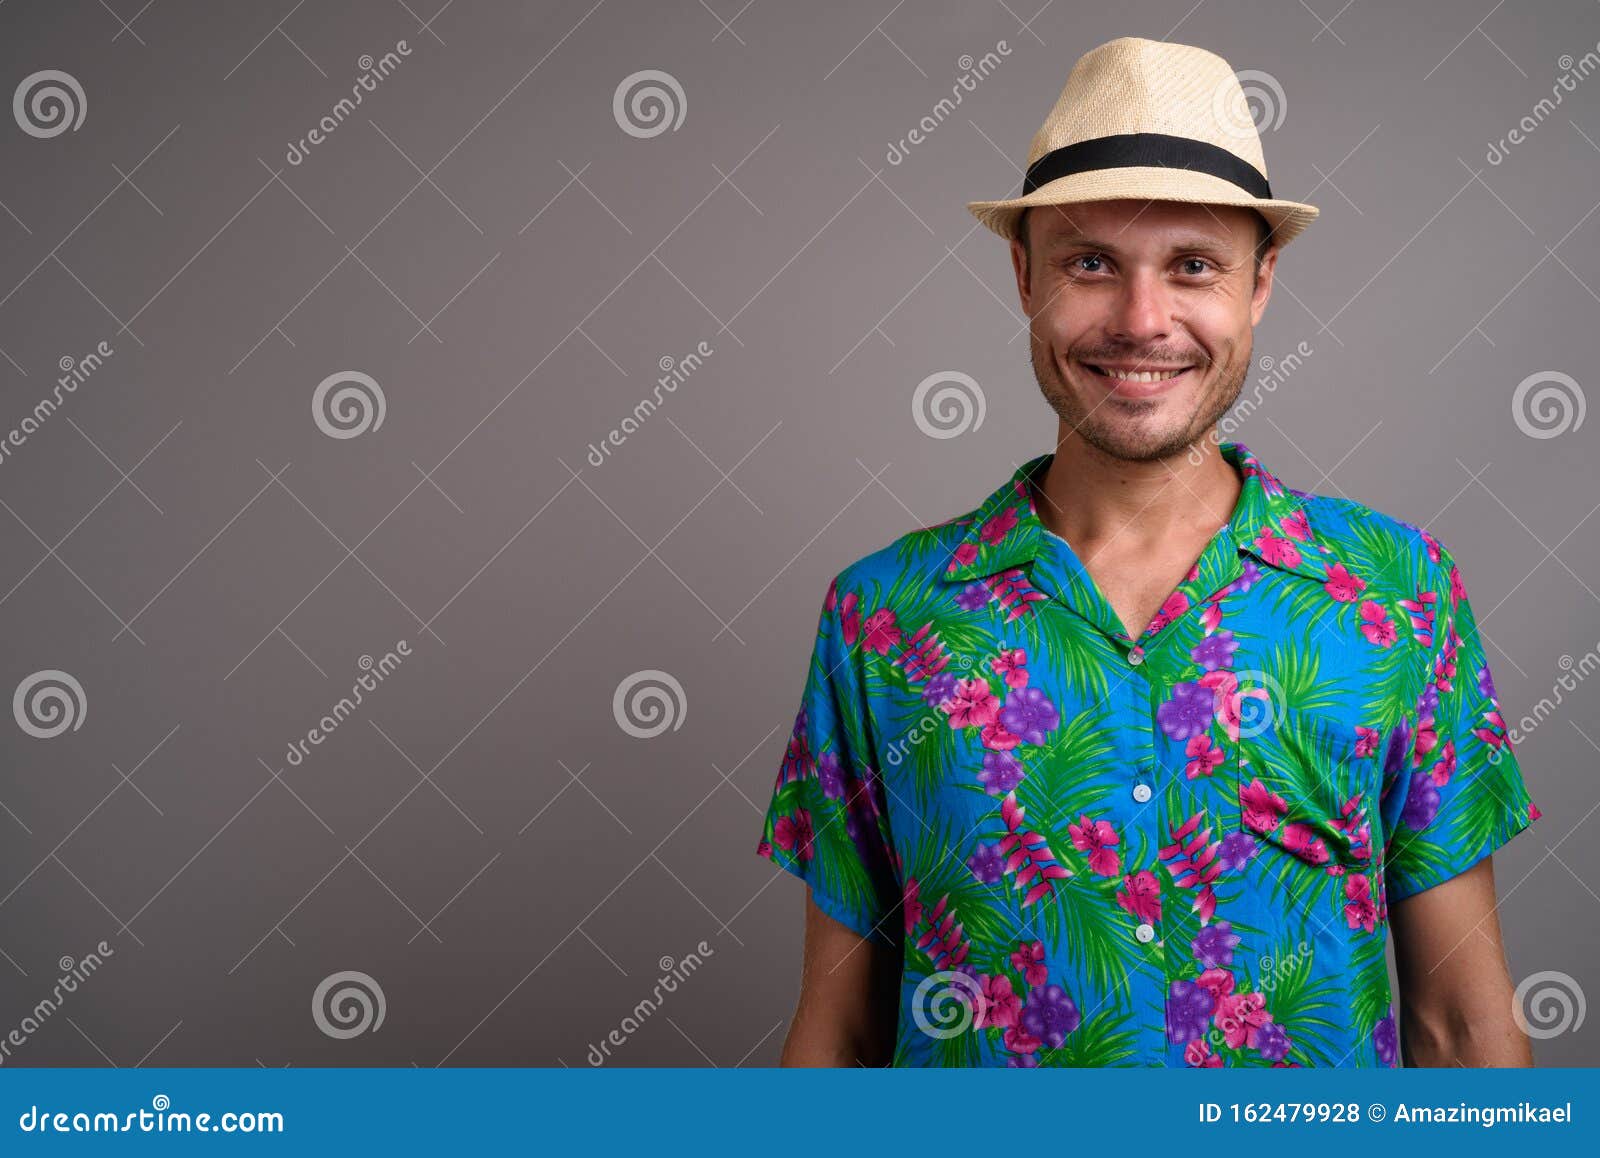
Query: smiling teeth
x,y
1143,376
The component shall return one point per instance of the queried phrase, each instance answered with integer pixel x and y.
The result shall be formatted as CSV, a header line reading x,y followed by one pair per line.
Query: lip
x,y
1137,390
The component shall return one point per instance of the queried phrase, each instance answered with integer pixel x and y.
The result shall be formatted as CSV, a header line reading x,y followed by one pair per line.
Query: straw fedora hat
x,y
1148,120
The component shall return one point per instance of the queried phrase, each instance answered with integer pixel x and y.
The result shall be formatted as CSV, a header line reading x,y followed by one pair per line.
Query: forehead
x,y
1138,225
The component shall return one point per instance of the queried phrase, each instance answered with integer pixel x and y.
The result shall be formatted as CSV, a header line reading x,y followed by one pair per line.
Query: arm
x,y
848,998
1456,994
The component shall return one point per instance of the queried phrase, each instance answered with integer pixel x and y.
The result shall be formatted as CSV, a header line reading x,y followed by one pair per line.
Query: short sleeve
x,y
827,822
1457,776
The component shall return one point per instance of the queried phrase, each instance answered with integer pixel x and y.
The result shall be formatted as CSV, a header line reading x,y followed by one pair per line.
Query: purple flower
x,y
831,775
1236,851
1215,650
1485,682
1384,1038
1028,714
1271,1042
1188,712
1050,1015
1248,575
973,596
1001,773
1213,945
1189,1009
1422,801
987,863
1399,743
1023,1061
940,688
1428,701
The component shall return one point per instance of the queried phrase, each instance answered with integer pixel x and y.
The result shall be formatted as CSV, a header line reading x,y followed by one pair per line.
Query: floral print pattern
x,y
1177,849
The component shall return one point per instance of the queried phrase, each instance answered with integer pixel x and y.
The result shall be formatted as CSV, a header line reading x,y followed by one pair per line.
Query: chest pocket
x,y
1303,790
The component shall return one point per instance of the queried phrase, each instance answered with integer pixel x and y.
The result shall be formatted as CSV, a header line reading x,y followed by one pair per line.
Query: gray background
x,y
486,242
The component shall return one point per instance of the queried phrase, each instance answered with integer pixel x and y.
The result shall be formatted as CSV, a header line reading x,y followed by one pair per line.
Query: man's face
x,y
1149,287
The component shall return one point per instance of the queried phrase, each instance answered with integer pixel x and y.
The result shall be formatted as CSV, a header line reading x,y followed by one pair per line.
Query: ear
x,y
1019,266
1263,290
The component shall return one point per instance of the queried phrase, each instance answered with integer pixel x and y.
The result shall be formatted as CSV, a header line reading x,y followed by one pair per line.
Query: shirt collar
x,y
1269,523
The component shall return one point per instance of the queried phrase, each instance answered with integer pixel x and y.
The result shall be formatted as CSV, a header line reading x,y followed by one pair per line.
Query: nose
x,y
1142,311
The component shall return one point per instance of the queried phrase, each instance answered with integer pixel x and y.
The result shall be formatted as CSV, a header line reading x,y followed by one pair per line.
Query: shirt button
x,y
1145,932
1136,656
1141,792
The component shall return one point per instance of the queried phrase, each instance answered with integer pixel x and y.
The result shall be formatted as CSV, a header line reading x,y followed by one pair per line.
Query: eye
x,y
1188,264
1096,260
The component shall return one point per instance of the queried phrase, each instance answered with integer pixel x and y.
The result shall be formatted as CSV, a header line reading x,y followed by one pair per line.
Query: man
x,y
1139,762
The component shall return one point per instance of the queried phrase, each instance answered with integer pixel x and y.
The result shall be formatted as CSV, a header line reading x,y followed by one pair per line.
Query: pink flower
x,y
995,529
882,634
1240,1017
1198,1055
850,618
1176,604
1296,527
1204,756
1218,981
1367,740
911,903
1446,765
794,834
1342,585
1140,895
1376,625
1029,961
1095,838
972,706
1012,664
1018,1040
1303,841
963,556
1359,911
1263,808
995,736
1276,550
1000,1005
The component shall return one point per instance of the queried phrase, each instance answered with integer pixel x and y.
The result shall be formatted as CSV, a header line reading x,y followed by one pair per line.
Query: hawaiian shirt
x,y
1178,850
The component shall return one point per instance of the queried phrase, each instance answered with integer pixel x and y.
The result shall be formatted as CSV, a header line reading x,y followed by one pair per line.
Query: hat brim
x,y
1288,219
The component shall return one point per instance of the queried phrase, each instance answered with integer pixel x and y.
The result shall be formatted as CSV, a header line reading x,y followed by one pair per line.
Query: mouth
x,y
1146,382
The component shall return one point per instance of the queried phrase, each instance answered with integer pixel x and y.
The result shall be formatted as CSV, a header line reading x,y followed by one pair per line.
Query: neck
x,y
1088,497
